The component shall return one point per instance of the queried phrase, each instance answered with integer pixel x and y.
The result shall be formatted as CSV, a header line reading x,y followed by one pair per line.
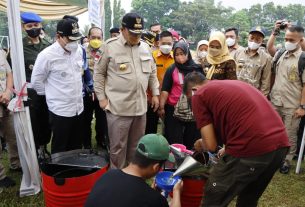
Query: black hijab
x,y
189,65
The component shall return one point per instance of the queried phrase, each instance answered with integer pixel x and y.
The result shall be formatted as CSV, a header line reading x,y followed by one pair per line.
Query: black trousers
x,y
67,132
101,129
176,131
152,119
39,118
246,178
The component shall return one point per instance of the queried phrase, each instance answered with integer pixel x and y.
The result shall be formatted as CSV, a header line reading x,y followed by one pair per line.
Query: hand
x,y
155,103
178,187
161,113
153,184
277,24
103,103
199,146
5,97
221,152
299,113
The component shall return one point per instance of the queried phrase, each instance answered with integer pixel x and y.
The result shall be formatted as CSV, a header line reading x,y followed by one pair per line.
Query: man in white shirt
x,y
57,73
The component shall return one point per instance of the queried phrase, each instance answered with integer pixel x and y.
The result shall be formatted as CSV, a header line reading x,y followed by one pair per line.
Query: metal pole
x,y
298,168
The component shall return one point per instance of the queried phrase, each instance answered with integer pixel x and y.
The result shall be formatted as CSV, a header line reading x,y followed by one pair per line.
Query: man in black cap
x,y
114,32
121,78
57,74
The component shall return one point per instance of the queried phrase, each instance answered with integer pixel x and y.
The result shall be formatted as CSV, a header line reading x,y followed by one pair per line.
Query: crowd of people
x,y
221,95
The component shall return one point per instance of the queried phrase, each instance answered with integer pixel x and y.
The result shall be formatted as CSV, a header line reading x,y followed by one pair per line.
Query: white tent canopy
x,y
50,10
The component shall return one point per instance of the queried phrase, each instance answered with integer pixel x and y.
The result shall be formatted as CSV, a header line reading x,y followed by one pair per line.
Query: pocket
x,y
122,65
146,64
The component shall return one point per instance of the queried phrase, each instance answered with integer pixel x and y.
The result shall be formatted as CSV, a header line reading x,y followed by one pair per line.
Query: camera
x,y
284,25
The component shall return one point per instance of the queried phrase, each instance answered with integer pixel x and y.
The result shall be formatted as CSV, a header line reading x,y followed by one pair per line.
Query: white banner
x,y
95,15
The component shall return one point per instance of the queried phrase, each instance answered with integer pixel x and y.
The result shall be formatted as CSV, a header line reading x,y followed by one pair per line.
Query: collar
x,y
124,41
247,51
235,47
171,54
295,53
60,50
28,41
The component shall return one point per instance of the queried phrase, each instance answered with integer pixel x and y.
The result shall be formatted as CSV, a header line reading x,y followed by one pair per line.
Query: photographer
x,y
279,25
288,92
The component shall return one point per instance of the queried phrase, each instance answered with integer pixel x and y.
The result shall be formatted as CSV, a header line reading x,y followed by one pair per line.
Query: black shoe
x,y
7,182
284,169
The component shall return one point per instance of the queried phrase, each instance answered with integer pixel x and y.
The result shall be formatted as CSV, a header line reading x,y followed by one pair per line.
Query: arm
x,y
166,88
154,86
40,73
176,201
208,137
301,112
266,77
270,44
99,77
6,95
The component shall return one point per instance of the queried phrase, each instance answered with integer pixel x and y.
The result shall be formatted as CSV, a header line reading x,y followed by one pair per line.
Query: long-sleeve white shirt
x,y
58,75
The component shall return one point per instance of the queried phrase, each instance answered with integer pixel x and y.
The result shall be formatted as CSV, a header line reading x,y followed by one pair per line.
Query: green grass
x,y
283,191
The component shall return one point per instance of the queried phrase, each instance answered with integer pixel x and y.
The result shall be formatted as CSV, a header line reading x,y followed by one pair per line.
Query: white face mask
x,y
291,46
253,45
230,42
202,54
71,46
166,49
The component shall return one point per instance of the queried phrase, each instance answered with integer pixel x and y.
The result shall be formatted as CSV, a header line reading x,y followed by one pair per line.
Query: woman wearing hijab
x,y
221,65
202,52
175,130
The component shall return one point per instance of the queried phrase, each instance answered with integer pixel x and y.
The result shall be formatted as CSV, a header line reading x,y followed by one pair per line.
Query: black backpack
x,y
301,63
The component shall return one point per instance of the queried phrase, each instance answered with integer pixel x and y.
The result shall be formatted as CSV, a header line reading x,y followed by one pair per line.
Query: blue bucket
x,y
165,182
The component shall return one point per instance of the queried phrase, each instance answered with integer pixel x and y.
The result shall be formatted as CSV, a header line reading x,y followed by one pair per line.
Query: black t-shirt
x,y
118,189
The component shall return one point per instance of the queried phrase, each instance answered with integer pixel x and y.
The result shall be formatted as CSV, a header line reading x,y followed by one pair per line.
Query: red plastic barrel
x,y
193,188
69,192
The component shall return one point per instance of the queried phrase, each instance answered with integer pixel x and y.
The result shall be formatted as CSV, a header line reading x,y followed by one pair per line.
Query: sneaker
x,y
284,169
7,182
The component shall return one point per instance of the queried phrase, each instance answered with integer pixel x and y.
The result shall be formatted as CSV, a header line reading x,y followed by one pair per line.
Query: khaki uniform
x,y
286,95
6,121
122,76
255,69
235,50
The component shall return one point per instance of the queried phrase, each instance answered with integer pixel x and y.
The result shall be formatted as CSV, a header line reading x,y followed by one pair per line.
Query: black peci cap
x,y
133,22
69,28
114,30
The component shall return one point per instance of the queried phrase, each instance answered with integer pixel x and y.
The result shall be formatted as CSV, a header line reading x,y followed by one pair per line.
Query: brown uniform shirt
x,y
123,74
287,88
254,69
235,50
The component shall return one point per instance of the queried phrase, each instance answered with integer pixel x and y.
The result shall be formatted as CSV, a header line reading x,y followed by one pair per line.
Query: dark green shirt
x,y
30,54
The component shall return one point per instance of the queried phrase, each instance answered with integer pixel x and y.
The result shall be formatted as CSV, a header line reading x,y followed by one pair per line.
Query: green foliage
x,y
196,19
108,12
155,10
118,13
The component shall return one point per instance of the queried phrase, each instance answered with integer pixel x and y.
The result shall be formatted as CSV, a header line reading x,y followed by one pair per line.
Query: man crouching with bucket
x,y
239,116
127,187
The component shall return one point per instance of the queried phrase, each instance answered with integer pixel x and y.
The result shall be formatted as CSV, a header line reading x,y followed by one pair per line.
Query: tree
x,y
118,13
108,12
154,10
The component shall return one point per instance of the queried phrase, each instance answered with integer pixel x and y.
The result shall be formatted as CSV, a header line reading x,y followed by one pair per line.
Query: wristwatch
x,y
302,106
